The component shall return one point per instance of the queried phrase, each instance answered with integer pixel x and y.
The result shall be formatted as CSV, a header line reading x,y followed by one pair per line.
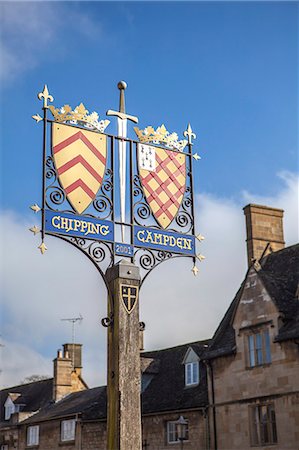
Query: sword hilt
x,y
122,85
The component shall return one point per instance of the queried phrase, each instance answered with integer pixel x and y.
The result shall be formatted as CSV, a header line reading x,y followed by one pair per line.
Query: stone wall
x,y
154,434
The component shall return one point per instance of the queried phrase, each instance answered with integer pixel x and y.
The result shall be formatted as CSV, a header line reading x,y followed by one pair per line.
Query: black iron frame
x,y
102,254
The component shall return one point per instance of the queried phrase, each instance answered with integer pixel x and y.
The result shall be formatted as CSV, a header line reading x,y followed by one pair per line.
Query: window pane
x,y
171,432
267,346
188,374
264,425
259,353
195,372
273,424
251,350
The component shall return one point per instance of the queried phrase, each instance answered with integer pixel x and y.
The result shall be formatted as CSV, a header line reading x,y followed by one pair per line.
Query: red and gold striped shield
x,y
164,185
80,160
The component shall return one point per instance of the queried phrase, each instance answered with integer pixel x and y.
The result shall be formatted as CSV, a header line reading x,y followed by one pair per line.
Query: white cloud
x,y
31,29
17,360
38,291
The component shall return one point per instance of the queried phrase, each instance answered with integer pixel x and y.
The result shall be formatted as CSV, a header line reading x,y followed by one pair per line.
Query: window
x,y
33,435
263,425
172,432
191,373
4,447
259,348
9,408
68,430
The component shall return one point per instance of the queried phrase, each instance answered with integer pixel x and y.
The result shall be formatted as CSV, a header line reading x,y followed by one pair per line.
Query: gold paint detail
x,y
195,270
35,208
200,237
196,156
42,248
200,257
79,116
160,135
189,134
129,296
37,117
46,96
34,230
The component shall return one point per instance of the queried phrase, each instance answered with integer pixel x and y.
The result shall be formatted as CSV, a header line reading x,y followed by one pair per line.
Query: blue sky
x,y
228,68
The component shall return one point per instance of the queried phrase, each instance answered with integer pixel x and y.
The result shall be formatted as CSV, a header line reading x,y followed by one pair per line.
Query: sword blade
x,y
122,132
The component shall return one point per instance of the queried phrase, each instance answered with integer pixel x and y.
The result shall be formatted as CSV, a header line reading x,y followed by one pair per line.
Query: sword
x,y
122,119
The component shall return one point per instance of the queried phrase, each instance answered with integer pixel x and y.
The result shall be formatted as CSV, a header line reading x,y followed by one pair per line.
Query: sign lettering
x,y
82,226
164,240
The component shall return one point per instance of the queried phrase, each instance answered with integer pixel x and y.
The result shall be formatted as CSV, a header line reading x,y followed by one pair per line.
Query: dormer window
x,y
191,362
9,408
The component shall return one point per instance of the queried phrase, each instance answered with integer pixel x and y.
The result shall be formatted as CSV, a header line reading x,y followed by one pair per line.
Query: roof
x,y
165,391
279,273
33,396
89,404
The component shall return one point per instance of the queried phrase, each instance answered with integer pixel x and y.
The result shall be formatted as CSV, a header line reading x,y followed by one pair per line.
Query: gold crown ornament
x,y
79,116
160,135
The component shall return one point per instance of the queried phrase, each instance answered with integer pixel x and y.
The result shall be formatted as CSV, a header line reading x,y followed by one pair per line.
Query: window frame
x,y
174,432
32,438
261,427
191,377
258,347
67,435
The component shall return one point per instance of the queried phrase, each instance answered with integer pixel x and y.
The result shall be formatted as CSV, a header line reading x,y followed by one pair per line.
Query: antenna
x,y
73,321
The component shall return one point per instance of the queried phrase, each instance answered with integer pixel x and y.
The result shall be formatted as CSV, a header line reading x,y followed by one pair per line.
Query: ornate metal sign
x,y
88,201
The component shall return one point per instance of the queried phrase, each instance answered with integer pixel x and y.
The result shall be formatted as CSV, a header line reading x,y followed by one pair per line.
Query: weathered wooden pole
x,y
123,384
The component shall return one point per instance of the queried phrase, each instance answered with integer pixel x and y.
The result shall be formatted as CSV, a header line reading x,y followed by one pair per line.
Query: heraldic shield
x,y
163,176
129,296
80,159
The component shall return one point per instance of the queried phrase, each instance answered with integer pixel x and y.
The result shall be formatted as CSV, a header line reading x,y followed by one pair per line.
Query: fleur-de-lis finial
x,y
46,96
189,134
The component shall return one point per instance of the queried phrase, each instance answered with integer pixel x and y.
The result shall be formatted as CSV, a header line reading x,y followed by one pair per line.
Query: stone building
x,y
238,390
253,358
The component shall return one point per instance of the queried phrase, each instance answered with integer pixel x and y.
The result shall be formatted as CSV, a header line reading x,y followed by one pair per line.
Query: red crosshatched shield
x,y
80,159
164,185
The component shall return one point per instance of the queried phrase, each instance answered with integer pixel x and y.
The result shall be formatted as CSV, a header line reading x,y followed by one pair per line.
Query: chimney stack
x,y
75,354
263,226
62,383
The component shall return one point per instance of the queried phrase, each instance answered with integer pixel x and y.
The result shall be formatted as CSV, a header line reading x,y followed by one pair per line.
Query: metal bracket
x,y
107,321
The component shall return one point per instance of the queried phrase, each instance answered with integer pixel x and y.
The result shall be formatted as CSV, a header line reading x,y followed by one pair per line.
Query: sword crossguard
x,y
121,115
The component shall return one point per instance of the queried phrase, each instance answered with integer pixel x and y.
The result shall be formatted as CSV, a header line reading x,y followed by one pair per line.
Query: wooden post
x,y
123,383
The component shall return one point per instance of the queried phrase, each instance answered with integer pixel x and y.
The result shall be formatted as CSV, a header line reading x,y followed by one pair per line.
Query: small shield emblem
x,y
80,159
129,296
163,176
